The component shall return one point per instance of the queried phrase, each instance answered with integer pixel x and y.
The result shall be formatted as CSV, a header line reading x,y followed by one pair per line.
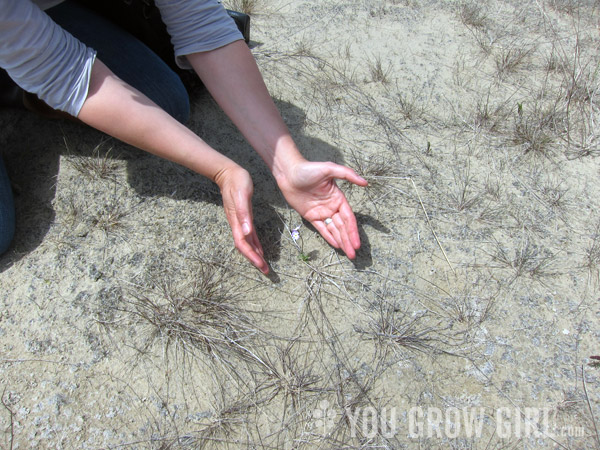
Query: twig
x,y
431,226
587,399
12,425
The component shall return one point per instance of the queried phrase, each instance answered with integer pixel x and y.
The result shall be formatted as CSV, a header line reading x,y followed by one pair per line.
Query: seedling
x,y
299,243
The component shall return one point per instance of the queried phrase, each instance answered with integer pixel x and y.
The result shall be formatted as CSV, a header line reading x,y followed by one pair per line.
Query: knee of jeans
x,y
7,227
183,110
7,210
179,103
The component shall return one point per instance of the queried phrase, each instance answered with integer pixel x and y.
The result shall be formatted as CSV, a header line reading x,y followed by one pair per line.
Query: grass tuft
x,y
99,165
528,259
246,6
463,197
535,132
473,15
205,316
511,59
379,73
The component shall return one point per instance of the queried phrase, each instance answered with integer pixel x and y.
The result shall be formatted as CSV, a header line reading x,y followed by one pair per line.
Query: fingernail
x,y
246,229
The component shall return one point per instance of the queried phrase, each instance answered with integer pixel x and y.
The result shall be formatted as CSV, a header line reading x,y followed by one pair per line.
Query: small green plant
x,y
304,257
299,243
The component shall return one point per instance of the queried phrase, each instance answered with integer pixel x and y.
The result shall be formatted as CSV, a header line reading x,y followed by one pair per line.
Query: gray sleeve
x,y
197,26
43,58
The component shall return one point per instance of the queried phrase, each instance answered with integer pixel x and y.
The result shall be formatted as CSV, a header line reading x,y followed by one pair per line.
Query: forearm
x,y
233,79
120,110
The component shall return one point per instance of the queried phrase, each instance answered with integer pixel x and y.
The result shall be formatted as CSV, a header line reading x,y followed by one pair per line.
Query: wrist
x,y
227,172
285,158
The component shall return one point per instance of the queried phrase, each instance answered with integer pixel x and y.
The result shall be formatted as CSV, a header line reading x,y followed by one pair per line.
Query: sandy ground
x,y
468,319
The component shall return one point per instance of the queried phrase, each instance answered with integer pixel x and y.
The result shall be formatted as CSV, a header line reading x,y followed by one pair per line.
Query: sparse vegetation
x,y
379,73
110,217
207,318
510,59
473,15
246,6
475,286
100,164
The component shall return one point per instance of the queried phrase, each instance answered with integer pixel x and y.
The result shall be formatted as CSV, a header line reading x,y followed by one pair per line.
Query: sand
x,y
468,319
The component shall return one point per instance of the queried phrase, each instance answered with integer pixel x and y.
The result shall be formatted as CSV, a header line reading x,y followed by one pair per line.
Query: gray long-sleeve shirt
x,y
46,60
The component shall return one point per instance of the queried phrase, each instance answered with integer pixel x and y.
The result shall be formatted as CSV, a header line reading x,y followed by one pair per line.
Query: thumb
x,y
243,212
345,173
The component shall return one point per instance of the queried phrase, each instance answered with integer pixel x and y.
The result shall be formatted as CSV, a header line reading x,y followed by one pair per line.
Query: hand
x,y
236,189
310,188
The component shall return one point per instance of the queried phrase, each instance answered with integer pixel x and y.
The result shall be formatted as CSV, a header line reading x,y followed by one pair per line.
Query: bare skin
x,y
233,79
231,75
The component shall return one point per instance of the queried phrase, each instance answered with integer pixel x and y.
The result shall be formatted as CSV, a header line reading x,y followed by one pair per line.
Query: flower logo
x,y
324,417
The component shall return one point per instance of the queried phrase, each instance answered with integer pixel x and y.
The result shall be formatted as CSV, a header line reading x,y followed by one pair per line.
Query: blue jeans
x,y
129,59
7,210
126,56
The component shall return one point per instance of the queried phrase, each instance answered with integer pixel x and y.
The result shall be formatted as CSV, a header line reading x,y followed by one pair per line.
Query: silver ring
x,y
328,221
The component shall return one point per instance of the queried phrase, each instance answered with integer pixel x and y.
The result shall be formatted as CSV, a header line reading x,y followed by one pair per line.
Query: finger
x,y
340,226
322,229
243,212
345,173
255,242
250,231
252,255
252,250
249,246
335,232
351,225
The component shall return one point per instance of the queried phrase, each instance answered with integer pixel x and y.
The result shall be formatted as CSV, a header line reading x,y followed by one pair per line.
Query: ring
x,y
328,221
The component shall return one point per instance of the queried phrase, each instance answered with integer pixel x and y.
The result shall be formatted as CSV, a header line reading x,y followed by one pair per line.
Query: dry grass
x,y
490,117
206,317
379,73
475,285
591,259
395,328
110,217
462,195
100,164
249,7
527,259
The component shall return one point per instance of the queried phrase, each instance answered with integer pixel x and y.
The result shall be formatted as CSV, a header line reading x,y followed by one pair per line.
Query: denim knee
x,y
177,101
7,210
127,57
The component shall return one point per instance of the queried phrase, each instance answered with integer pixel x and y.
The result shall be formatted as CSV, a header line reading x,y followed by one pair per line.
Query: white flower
x,y
296,233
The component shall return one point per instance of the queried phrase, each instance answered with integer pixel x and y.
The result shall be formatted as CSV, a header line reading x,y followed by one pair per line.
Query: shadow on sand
x,y
32,147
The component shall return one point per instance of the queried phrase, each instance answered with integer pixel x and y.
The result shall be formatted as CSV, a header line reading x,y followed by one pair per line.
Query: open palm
x,y
311,190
